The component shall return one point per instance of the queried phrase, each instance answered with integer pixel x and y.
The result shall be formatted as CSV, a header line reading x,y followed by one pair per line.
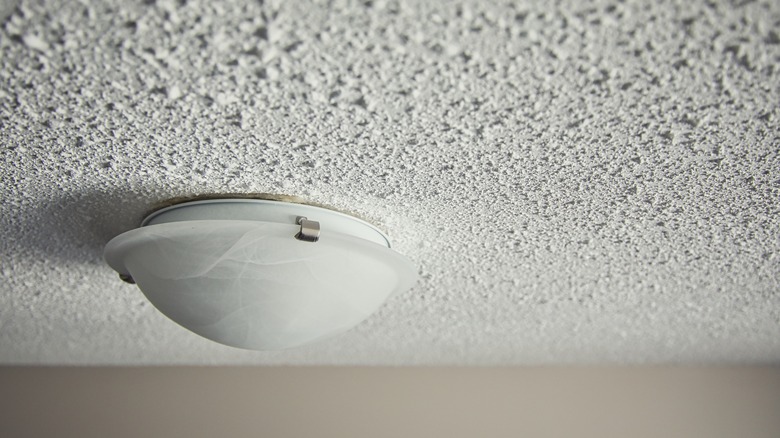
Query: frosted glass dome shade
x,y
252,283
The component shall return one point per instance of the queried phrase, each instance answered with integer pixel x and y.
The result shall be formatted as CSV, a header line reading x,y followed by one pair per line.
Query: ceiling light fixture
x,y
260,274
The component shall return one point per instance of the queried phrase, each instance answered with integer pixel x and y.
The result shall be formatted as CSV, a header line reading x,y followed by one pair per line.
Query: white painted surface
x,y
588,182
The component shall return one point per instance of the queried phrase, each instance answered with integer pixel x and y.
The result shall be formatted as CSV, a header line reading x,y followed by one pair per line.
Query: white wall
x,y
388,402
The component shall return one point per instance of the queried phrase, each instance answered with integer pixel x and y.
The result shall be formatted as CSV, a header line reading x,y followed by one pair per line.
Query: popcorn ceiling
x,y
578,182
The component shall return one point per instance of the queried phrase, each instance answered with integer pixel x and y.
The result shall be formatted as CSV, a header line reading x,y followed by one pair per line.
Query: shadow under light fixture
x,y
260,274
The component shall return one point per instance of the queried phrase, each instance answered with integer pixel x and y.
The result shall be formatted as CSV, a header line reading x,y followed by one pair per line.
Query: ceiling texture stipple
x,y
577,182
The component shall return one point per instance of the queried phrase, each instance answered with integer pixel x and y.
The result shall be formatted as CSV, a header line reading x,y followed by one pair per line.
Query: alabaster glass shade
x,y
251,284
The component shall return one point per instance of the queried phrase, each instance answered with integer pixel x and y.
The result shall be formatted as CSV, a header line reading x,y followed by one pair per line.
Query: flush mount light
x,y
260,274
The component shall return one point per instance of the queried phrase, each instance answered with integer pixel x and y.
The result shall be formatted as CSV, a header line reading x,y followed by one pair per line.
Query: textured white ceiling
x,y
578,182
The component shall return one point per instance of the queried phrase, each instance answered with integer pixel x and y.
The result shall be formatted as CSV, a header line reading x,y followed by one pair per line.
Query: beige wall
x,y
389,402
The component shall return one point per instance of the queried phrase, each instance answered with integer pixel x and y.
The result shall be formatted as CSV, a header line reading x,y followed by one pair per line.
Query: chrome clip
x,y
310,230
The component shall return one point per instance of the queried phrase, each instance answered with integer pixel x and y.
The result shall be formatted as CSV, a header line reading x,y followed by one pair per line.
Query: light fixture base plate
x,y
267,211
